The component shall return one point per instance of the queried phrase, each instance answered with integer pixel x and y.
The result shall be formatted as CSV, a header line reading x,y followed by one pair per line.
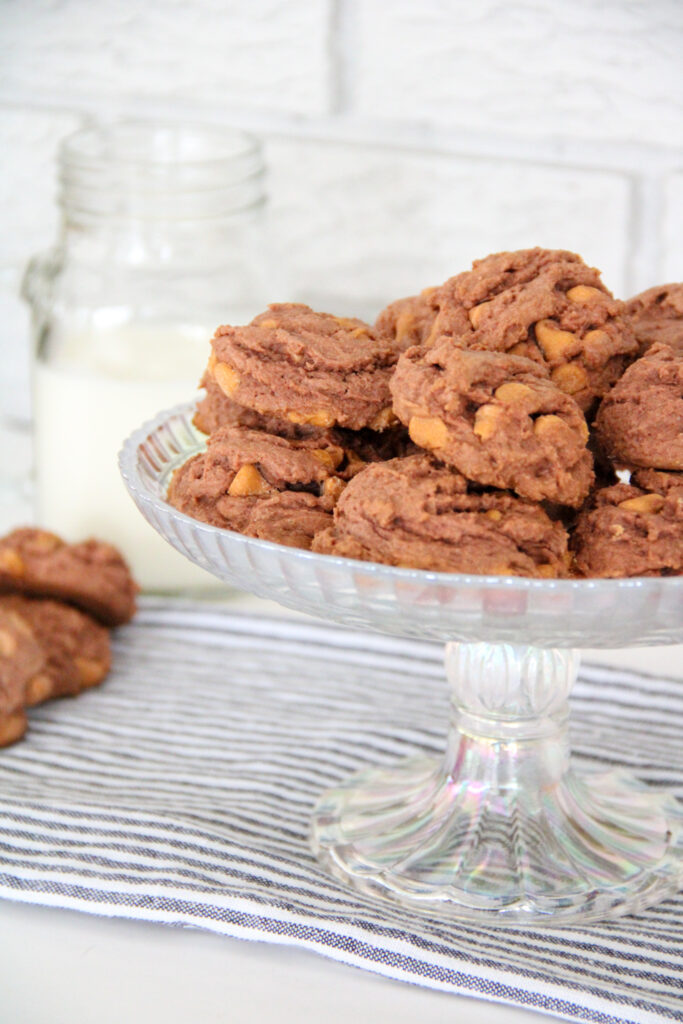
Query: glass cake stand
x,y
501,829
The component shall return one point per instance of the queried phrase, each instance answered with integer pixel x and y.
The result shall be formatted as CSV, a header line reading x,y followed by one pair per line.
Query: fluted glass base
x,y
501,830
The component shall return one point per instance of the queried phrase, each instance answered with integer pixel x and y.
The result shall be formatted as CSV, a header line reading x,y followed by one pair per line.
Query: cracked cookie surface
x,y
415,512
496,418
76,648
640,421
633,529
309,368
656,315
544,304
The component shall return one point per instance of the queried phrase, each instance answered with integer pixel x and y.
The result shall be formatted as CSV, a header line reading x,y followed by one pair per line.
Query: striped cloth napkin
x,y
181,792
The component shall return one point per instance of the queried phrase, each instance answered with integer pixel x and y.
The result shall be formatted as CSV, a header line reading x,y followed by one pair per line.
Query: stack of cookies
x,y
57,602
454,434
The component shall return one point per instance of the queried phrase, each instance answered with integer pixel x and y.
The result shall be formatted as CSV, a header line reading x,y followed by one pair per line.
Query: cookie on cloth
x,y
633,529
91,574
21,660
656,315
416,512
76,648
496,418
243,470
309,368
547,305
640,421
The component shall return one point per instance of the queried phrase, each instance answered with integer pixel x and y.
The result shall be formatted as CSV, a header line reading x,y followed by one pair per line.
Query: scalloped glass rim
x,y
140,487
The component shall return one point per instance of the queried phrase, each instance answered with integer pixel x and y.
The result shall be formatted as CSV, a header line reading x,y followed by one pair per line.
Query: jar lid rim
x,y
107,140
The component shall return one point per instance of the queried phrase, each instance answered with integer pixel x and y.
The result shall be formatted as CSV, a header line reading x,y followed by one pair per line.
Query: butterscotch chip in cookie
x,y
91,574
496,418
21,660
546,305
640,422
408,321
632,531
245,476
76,648
656,315
312,369
418,513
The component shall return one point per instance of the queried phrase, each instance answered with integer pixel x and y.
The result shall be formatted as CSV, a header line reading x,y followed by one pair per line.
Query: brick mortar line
x,y
419,138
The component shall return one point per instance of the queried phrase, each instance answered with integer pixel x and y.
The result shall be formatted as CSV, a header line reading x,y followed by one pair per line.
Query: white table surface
x,y
65,967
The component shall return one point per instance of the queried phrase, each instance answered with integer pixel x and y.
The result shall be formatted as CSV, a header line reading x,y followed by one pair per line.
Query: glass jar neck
x,y
158,179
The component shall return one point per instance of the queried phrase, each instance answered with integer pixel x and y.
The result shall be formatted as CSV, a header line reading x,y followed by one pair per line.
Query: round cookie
x,y
547,305
656,315
21,660
91,575
243,470
640,422
497,419
306,367
417,513
408,321
633,529
76,648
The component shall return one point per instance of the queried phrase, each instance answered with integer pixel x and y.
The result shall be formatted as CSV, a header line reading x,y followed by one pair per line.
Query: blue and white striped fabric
x,y
181,791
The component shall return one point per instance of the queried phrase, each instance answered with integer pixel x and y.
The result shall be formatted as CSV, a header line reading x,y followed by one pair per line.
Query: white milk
x,y
88,399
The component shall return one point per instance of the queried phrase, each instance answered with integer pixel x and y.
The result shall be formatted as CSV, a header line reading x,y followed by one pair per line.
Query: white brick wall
x,y
259,54
404,138
608,71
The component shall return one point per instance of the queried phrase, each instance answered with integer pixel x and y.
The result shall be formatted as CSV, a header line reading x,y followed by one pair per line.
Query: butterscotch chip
x,y
91,575
497,419
541,299
644,503
656,315
630,531
428,432
640,422
226,378
310,368
247,480
415,512
76,648
11,562
570,378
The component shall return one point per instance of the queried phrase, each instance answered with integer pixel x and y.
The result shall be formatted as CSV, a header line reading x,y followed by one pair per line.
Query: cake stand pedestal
x,y
502,829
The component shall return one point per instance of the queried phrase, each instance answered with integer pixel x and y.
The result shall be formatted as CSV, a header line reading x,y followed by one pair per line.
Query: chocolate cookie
x,y
408,321
76,647
416,512
244,476
217,410
91,575
657,316
546,305
21,660
640,422
497,419
633,529
306,367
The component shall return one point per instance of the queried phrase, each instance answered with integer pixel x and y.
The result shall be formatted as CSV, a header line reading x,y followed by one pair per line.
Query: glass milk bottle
x,y
160,242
